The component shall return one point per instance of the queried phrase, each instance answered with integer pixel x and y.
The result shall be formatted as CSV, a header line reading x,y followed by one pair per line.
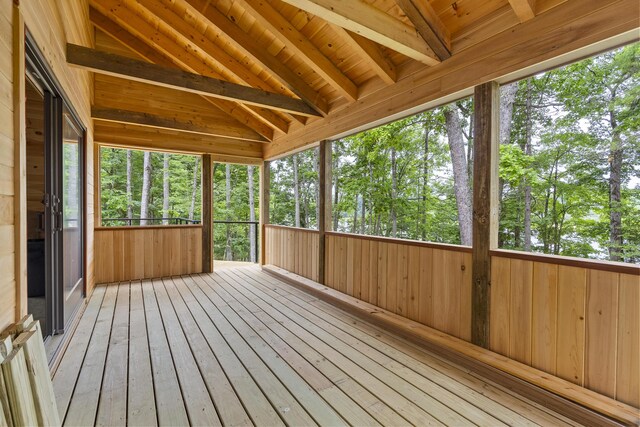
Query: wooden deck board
x,y
240,347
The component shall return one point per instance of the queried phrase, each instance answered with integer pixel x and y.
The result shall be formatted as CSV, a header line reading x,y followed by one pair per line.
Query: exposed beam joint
x,y
273,21
429,26
155,121
119,66
370,22
524,9
259,54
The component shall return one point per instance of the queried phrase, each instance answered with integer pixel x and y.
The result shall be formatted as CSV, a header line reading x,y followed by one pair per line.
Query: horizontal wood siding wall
x,y
147,252
430,284
294,249
578,323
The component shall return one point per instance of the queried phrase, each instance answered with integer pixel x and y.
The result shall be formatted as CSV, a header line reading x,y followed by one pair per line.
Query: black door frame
x,y
55,100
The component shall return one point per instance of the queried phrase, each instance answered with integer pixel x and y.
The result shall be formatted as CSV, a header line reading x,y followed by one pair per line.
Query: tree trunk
x,y
527,185
146,188
354,225
394,193
615,171
507,101
228,255
129,192
336,197
296,189
425,182
194,189
318,184
460,177
363,214
252,216
165,189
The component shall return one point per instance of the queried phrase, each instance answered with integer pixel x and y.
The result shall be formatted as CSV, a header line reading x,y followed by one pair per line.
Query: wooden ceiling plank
x,y
156,121
274,22
524,9
429,26
242,113
130,136
232,66
258,53
371,53
116,65
370,22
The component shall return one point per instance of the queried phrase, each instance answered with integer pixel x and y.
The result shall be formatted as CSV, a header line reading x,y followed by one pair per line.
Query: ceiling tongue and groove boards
x,y
276,72
161,50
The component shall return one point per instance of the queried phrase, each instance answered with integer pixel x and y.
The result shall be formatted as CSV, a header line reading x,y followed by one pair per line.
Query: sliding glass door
x,y
72,214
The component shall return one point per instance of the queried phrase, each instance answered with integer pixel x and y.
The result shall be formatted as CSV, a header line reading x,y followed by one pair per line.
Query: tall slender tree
x,y
146,188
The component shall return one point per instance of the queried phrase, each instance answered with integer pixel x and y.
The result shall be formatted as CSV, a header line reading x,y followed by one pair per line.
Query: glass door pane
x,y
72,214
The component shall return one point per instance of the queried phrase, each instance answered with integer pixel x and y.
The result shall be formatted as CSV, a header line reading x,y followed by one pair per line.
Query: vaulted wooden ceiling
x,y
268,67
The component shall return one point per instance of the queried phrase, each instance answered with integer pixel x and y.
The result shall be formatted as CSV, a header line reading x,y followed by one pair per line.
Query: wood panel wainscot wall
x,y
576,319
428,283
131,253
294,249
572,318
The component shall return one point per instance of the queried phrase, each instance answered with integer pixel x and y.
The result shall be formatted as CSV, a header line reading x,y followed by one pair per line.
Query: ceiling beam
x,y
524,9
259,54
143,38
241,113
156,121
133,136
119,66
429,26
274,22
370,22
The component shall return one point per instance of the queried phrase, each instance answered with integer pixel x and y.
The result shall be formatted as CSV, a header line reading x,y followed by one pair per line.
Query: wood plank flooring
x,y
239,347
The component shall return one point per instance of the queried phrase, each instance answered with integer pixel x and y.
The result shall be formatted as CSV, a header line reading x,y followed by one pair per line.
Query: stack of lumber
x,y
26,391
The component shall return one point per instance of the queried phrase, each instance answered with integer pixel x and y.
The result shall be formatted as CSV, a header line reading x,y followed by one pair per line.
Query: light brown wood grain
x,y
128,254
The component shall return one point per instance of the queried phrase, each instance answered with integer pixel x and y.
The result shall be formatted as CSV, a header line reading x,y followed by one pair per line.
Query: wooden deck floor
x,y
239,347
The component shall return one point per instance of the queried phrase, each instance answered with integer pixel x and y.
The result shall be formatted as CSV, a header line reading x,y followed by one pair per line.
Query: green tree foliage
x,y
568,129
238,210
113,175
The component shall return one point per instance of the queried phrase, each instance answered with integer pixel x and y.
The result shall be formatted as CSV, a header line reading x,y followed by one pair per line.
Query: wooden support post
x,y
265,183
324,203
20,162
207,214
485,205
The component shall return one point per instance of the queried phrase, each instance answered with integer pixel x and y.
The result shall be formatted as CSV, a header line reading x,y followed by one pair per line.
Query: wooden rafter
x,y
272,20
155,121
259,54
245,114
429,26
119,66
524,9
370,52
231,68
370,22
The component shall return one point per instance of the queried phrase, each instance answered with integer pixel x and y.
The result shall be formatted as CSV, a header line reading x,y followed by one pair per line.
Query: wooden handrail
x,y
616,267
147,227
288,227
444,246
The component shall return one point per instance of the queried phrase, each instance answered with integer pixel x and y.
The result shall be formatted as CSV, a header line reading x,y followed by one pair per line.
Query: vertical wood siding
x,y
578,323
124,254
294,249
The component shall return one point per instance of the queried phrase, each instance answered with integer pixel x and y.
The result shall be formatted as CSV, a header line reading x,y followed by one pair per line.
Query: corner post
x,y
20,161
207,214
265,196
324,203
485,205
